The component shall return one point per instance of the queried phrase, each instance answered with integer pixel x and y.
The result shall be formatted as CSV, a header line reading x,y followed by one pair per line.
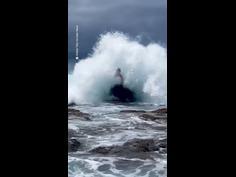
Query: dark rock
x,y
132,111
162,143
152,117
78,114
105,150
141,145
160,111
122,93
163,151
155,115
132,146
73,145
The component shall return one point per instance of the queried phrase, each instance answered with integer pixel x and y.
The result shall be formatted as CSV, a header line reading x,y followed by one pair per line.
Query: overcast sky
x,y
134,17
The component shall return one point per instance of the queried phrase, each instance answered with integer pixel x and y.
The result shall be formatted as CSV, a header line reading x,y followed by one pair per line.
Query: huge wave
x,y
144,68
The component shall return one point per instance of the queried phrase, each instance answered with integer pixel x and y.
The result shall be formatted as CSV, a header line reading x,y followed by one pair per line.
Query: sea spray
x,y
144,69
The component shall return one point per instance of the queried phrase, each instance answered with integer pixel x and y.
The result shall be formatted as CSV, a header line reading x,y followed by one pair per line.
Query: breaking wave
x,y
144,68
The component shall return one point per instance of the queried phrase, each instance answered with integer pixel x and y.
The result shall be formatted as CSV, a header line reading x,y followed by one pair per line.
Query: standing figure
x,y
119,77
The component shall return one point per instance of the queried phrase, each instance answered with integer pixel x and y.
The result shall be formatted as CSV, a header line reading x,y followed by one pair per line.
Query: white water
x,y
109,127
144,69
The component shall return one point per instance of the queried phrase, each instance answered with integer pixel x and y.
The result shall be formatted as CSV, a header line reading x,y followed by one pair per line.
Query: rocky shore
x,y
129,147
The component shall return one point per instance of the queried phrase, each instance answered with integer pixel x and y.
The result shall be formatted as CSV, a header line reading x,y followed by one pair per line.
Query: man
x,y
119,91
119,77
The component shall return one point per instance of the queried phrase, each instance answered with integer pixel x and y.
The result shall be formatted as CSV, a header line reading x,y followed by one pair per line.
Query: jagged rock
x,y
155,115
73,145
131,146
152,116
160,111
73,113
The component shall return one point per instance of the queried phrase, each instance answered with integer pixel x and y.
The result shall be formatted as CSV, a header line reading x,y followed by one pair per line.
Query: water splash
x,y
143,67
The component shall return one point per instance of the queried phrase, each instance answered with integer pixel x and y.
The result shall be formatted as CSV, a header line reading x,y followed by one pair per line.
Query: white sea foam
x,y
143,67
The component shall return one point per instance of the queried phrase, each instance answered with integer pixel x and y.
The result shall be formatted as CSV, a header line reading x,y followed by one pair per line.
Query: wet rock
x,y
105,149
152,117
155,115
141,145
73,145
131,146
141,148
132,111
162,143
73,113
160,111
122,93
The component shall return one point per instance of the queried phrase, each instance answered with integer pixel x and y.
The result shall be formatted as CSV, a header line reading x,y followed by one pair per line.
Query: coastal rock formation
x,y
132,111
77,114
132,146
155,115
160,111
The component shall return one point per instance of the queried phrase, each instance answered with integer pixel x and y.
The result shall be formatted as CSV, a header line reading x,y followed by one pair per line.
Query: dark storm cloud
x,y
134,17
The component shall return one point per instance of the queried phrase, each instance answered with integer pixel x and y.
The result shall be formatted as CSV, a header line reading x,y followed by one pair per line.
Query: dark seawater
x,y
108,127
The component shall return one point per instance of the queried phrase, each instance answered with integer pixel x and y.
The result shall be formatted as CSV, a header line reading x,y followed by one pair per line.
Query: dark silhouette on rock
x,y
122,93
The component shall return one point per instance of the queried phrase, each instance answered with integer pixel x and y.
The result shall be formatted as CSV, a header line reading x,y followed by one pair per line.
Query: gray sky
x,y
147,18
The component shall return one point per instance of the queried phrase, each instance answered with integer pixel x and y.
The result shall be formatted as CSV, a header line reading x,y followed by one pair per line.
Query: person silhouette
x,y
120,92
119,77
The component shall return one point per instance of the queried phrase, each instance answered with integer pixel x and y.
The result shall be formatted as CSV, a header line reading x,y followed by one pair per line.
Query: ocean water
x,y
144,68
109,127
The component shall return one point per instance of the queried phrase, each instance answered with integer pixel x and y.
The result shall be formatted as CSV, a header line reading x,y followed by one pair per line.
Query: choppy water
x,y
110,127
